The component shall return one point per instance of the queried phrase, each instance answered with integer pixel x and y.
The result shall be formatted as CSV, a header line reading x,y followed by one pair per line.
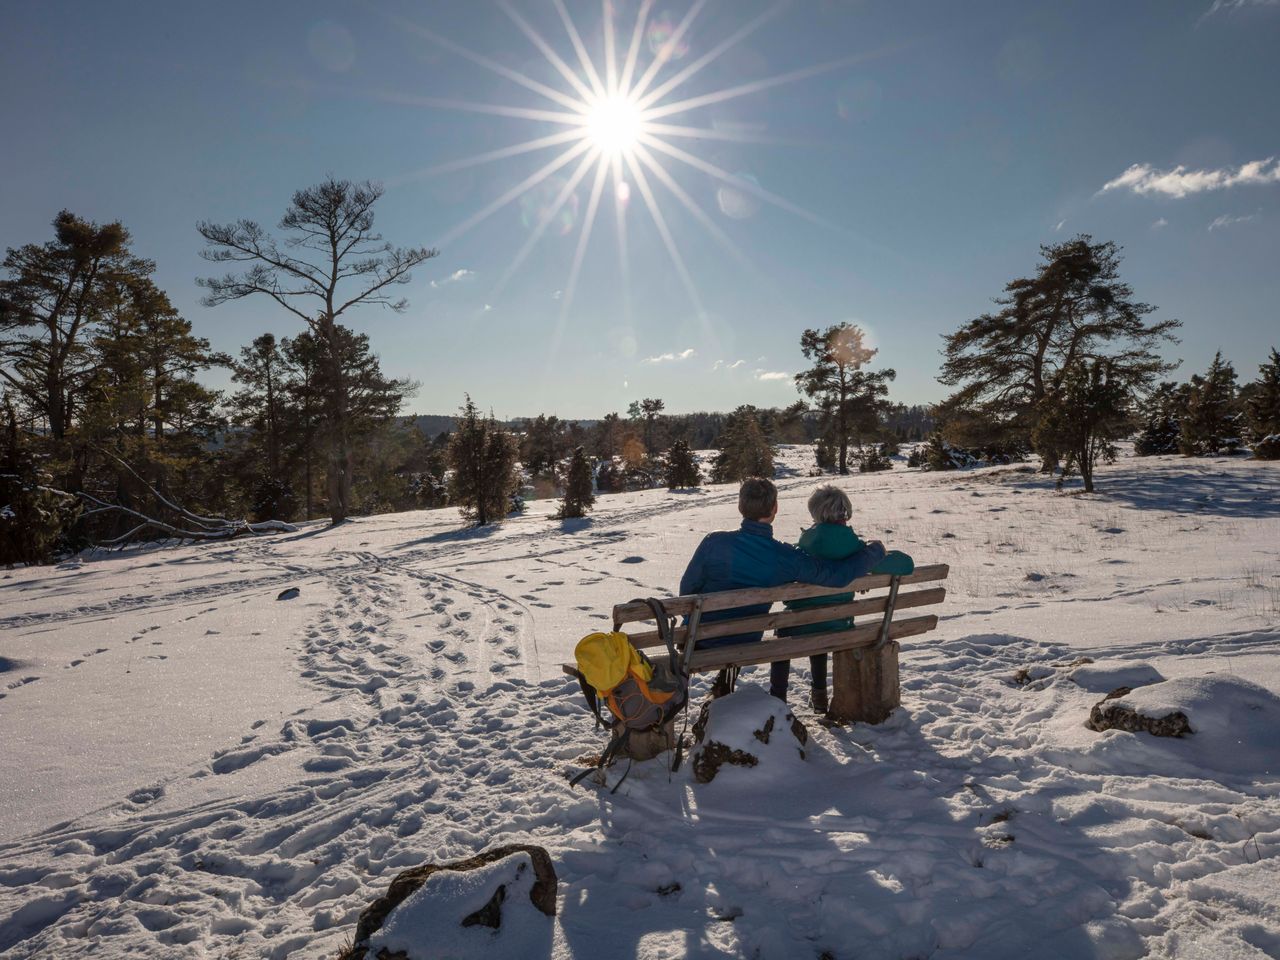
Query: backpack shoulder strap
x,y
666,630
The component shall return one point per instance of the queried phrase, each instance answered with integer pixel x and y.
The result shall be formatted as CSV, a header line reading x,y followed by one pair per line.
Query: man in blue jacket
x,y
750,557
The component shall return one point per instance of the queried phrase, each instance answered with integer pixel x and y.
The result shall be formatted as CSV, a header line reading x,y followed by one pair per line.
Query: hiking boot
x,y
818,699
722,686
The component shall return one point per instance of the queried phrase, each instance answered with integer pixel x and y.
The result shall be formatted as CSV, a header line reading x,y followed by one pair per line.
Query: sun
x,y
616,122
614,125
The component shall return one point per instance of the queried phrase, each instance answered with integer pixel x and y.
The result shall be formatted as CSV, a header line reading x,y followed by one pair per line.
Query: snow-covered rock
x,y
1232,721
748,728
495,904
1108,675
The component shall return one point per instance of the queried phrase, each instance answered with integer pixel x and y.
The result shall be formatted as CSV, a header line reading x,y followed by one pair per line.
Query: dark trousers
x,y
780,671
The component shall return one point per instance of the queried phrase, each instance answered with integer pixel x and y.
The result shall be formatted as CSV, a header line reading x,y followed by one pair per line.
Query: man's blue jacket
x,y
750,557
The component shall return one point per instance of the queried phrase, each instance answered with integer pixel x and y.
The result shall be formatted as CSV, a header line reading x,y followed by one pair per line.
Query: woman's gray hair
x,y
829,504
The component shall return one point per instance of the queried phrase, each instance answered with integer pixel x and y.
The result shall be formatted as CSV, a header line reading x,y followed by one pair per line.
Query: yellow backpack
x,y
639,694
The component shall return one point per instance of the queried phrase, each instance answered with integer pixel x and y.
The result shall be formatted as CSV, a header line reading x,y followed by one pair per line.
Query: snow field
x,y
408,707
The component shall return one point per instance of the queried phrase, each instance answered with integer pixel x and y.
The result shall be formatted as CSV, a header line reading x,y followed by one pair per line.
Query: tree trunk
x,y
339,454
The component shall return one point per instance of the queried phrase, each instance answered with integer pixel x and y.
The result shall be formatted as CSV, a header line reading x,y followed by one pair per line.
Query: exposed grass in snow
x,y
192,767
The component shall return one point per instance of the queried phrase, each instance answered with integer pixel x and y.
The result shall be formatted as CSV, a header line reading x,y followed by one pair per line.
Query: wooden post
x,y
865,684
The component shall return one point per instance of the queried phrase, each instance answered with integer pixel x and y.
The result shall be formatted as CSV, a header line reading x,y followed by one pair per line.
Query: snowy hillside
x,y
197,762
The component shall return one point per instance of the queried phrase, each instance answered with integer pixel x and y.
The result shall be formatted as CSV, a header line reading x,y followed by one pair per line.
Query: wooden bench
x,y
865,669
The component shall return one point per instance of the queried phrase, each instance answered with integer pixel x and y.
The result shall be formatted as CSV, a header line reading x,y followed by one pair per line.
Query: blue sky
x,y
913,168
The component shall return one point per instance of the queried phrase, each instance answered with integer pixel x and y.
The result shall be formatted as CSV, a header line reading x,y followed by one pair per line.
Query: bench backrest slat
x,y
795,618
727,599
745,654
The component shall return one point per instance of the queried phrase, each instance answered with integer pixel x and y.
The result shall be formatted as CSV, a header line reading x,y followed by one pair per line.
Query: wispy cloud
x,y
1160,224
772,375
1180,182
1228,5
669,357
726,365
1057,228
454,277
557,295
1227,221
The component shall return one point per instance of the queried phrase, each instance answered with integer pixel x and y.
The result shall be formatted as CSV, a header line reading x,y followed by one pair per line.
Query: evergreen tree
x,y
873,459
1162,421
261,408
850,401
330,261
544,445
745,451
1075,309
824,454
609,433
578,495
1263,410
1211,421
682,468
939,455
483,457
50,305
34,520
1081,419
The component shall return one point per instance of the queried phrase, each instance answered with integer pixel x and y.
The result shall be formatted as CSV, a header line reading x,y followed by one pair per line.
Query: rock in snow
x,y
1114,713
1234,721
489,902
743,729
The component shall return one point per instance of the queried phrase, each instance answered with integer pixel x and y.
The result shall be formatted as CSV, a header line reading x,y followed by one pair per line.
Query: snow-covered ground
x,y
192,767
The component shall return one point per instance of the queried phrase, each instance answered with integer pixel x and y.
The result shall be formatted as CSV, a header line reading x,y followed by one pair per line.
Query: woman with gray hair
x,y
831,538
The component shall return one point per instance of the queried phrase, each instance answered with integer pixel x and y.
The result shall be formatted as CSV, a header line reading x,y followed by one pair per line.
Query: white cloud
x,y
668,357
1180,182
772,375
1226,221
1160,224
557,295
455,277
487,307
1059,225
1220,5
736,364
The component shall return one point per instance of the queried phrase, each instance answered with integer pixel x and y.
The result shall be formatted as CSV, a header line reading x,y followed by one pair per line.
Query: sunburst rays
x,y
616,116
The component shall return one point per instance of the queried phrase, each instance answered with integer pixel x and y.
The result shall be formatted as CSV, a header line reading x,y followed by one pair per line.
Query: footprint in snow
x,y
632,560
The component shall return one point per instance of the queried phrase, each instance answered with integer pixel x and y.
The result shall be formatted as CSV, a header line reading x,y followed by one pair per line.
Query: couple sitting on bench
x,y
829,554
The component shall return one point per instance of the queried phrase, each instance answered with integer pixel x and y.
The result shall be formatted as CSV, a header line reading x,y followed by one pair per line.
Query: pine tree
x,y
745,451
333,255
1264,410
682,468
850,401
1082,418
939,455
578,496
1161,428
50,305
34,520
1210,424
483,457
1074,309
873,459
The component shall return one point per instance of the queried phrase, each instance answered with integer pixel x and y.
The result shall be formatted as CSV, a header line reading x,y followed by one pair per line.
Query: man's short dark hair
x,y
757,497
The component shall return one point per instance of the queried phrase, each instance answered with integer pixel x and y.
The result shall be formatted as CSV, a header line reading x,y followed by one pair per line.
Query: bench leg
x,y
864,685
